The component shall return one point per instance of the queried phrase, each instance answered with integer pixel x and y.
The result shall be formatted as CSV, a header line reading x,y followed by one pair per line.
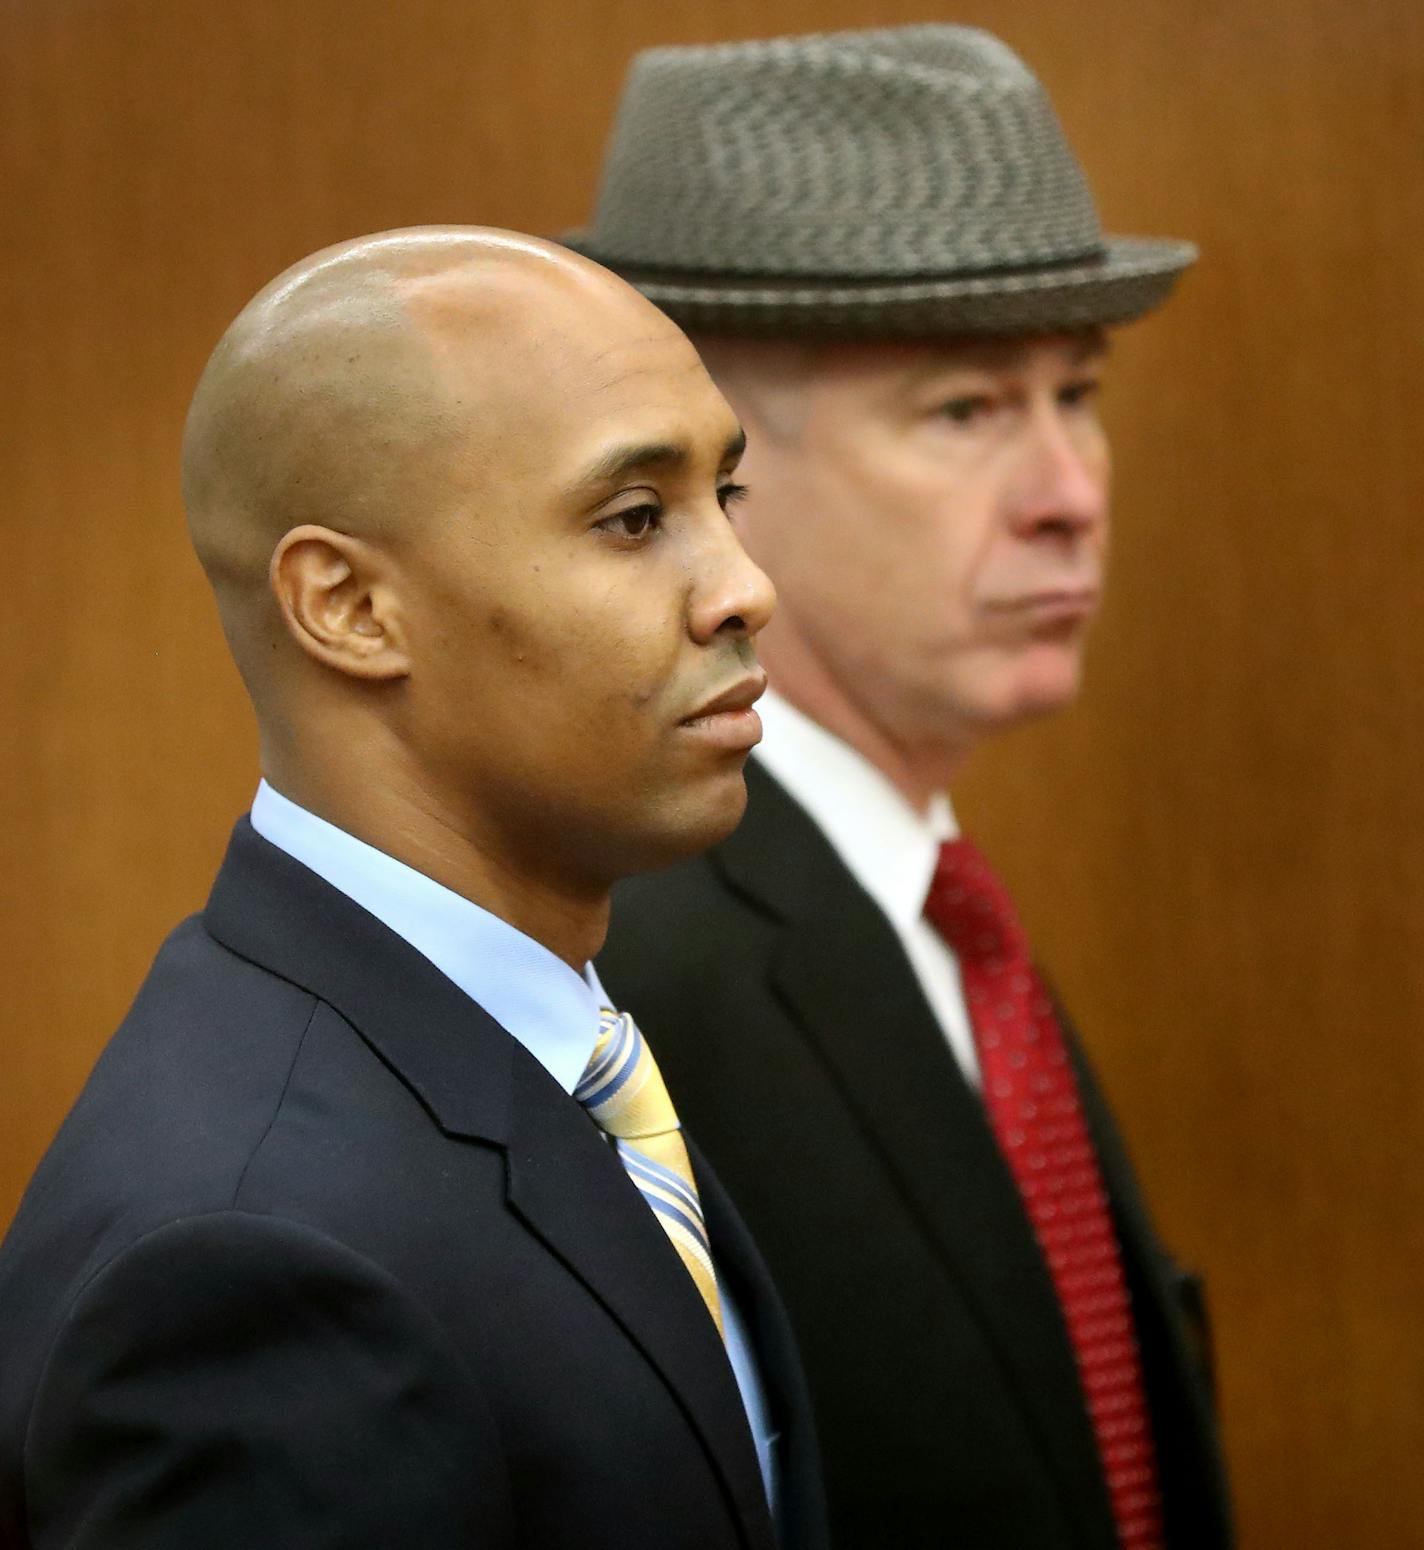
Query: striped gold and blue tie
x,y
623,1091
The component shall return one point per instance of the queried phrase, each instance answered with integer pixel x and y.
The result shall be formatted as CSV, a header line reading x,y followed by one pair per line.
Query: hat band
x,y
636,274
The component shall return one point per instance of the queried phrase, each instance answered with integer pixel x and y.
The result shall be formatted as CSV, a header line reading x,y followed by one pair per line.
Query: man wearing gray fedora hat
x,y
891,261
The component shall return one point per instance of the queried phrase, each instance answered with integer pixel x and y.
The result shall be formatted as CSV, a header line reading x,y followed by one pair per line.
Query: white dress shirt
x,y
530,992
888,847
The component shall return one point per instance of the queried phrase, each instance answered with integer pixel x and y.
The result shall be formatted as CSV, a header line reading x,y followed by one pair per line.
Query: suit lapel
x,y
569,1187
880,1042
800,1500
478,1082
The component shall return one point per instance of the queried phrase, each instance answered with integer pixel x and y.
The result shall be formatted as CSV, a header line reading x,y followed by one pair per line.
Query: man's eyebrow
x,y
630,458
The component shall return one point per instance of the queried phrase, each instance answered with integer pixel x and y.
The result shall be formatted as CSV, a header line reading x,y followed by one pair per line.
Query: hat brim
x,y
1131,277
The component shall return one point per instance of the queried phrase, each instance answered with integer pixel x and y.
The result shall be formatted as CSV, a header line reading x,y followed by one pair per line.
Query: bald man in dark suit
x,y
374,1224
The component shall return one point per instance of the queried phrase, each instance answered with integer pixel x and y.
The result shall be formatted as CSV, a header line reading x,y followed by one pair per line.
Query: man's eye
x,y
729,494
633,521
1073,395
963,410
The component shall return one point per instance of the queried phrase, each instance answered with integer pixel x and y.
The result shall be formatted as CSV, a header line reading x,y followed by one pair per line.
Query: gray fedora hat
x,y
901,181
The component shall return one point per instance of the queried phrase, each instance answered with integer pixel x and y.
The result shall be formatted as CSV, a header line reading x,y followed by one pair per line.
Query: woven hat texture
x,y
894,181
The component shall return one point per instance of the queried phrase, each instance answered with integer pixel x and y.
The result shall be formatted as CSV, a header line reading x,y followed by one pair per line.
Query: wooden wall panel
x,y
1219,851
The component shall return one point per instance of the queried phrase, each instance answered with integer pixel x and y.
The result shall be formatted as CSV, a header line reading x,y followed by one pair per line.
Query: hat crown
x,y
894,152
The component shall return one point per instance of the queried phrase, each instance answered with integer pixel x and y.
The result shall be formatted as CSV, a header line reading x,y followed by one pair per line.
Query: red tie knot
x,y
971,909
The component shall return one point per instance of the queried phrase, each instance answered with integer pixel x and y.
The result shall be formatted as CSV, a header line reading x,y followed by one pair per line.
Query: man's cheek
x,y
642,668
521,642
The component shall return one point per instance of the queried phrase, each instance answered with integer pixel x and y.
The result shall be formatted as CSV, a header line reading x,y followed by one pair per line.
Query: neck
x,y
406,821
800,677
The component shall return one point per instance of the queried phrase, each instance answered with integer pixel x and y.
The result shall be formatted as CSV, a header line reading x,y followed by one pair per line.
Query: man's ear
x,y
338,602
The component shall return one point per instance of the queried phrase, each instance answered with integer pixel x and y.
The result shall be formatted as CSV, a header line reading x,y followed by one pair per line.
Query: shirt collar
x,y
534,995
889,848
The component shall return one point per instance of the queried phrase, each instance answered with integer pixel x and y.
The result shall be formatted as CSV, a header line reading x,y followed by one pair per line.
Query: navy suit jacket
x,y
792,1028
323,1257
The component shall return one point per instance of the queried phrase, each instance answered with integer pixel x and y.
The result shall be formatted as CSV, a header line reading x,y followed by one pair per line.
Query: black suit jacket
x,y
324,1257
803,1053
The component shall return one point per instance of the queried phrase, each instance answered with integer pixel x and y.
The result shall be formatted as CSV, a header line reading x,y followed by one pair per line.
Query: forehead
x,y
546,382
876,364
595,395
1019,353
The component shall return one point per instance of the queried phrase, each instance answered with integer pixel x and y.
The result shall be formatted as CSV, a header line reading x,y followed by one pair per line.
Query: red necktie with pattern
x,y
1034,1107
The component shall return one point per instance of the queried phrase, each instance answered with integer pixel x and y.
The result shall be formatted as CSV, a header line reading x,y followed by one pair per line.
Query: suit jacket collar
x,y
917,1112
551,1008
478,1083
269,908
888,847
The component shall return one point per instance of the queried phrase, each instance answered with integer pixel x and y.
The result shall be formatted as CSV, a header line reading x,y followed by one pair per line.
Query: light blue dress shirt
x,y
530,992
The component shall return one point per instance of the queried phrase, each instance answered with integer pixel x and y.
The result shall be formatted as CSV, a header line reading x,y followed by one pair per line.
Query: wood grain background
x,y
1219,852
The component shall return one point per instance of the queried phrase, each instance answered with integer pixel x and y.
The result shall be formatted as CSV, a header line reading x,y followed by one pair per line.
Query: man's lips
x,y
727,722
740,696
1050,602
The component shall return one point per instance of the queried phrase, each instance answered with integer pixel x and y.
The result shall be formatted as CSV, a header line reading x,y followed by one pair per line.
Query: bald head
x,y
463,499
345,392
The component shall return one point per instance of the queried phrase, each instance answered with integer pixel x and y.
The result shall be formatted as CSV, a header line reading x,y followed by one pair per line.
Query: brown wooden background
x,y
1220,852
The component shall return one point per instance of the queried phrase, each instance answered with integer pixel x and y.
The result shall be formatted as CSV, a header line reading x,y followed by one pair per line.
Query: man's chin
x,y
696,821
1044,683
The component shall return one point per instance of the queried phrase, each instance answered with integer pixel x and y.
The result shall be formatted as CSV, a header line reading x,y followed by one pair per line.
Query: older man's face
x,y
936,521
583,601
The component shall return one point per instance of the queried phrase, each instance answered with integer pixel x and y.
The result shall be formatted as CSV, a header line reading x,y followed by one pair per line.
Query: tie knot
x,y
621,1086
970,907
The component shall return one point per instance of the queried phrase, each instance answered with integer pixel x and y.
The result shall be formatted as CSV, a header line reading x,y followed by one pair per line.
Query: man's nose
x,y
1062,486
731,595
